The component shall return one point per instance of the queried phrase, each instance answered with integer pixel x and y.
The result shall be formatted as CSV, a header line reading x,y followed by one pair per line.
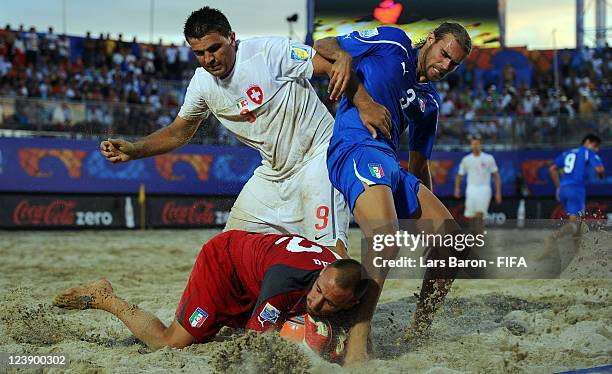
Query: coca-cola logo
x,y
58,212
199,213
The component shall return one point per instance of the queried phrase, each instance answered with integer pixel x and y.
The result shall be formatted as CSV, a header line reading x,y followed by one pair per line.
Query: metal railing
x,y
522,132
94,120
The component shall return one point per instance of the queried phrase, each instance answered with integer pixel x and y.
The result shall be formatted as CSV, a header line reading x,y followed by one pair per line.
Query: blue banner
x,y
52,165
532,167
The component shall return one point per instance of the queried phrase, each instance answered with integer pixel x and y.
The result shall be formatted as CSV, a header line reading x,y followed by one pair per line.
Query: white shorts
x,y
477,200
305,204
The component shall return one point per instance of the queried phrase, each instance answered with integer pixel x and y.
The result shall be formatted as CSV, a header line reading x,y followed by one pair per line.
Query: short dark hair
x,y
351,274
592,138
205,21
457,30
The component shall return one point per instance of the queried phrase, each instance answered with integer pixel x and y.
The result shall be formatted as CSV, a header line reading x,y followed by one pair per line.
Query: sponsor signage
x,y
60,211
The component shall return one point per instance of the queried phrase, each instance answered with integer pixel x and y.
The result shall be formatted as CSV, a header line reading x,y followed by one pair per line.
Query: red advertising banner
x,y
181,211
64,211
23,211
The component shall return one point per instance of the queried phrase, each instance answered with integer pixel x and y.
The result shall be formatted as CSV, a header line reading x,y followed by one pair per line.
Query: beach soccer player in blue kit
x,y
574,165
365,169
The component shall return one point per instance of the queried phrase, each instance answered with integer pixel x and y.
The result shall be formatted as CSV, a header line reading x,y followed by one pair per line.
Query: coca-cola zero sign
x,y
22,211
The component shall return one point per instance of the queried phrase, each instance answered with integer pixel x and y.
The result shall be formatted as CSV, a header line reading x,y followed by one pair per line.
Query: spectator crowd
x,y
111,86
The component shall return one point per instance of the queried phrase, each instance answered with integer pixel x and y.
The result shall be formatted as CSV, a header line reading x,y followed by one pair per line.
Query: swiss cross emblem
x,y
255,94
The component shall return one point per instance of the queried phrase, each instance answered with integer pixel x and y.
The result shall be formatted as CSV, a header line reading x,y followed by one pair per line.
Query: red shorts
x,y
214,296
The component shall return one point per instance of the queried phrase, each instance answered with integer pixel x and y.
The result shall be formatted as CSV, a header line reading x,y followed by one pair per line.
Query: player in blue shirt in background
x,y
364,167
573,165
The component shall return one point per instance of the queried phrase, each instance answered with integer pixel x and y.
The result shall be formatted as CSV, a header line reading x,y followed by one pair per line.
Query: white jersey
x,y
267,102
478,169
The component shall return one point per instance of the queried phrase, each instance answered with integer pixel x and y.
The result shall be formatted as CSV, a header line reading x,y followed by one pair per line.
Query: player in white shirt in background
x,y
479,166
258,89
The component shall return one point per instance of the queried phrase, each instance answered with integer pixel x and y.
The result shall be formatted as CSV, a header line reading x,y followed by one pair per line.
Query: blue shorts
x,y
573,199
350,167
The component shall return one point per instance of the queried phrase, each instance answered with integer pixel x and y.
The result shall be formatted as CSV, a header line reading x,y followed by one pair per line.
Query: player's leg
x,y
341,220
254,210
483,200
144,325
573,201
474,211
432,218
375,213
324,210
365,176
436,282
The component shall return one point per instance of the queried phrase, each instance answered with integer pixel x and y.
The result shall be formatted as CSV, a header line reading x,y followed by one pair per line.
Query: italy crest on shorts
x,y
376,170
198,317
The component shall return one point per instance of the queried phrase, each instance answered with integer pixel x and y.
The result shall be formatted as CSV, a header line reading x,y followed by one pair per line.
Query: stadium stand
x,y
85,87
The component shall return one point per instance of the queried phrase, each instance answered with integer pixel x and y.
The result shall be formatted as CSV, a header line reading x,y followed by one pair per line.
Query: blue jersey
x,y
575,164
386,64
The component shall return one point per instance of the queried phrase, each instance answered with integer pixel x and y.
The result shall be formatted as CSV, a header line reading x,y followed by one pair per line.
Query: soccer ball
x,y
317,334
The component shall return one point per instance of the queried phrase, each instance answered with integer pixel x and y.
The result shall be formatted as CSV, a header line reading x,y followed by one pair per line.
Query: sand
x,y
485,326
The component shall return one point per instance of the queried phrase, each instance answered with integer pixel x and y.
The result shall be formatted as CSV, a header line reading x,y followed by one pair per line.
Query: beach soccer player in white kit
x,y
258,88
479,166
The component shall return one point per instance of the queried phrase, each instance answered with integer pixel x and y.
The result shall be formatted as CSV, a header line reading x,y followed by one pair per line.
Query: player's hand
x,y
118,150
498,198
375,117
339,76
457,194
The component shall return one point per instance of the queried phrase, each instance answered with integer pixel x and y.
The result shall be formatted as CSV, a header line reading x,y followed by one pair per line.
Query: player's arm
x,y
458,180
167,139
341,70
421,138
344,50
498,194
418,165
340,73
595,160
495,171
554,175
342,80
555,169
164,140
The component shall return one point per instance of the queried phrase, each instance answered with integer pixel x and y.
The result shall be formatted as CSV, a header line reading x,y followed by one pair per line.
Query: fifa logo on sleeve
x,y
299,54
268,313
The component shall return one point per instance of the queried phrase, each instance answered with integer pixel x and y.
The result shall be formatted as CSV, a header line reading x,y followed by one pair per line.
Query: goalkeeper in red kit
x,y
244,280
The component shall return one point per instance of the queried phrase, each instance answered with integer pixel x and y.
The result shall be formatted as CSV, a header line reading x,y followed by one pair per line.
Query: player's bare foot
x,y
89,296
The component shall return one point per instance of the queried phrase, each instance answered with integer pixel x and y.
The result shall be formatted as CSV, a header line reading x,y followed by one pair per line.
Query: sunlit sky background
x,y
528,22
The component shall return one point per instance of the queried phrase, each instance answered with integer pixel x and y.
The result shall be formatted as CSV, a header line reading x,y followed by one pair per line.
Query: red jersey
x,y
250,280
